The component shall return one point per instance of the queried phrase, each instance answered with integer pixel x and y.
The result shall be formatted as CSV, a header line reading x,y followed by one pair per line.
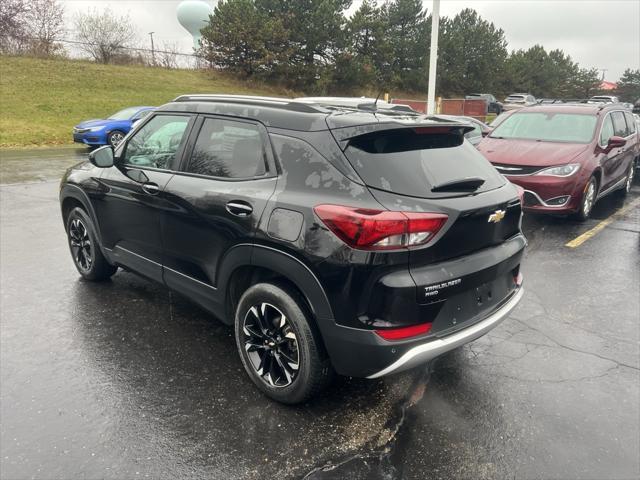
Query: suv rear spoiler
x,y
344,134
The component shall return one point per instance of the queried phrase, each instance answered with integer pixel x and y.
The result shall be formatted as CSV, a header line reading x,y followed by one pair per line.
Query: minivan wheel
x,y
588,200
278,344
629,182
115,137
84,247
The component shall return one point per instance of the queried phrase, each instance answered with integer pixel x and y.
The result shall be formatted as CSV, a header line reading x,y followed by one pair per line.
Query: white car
x,y
603,99
519,100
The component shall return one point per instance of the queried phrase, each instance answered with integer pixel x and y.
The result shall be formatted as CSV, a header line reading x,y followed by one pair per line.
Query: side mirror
x,y
616,142
486,131
102,157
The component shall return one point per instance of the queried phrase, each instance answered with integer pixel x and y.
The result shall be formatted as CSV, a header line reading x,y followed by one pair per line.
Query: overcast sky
x,y
599,33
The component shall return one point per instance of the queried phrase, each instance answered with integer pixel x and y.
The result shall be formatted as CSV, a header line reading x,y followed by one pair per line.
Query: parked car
x,y
519,100
493,105
333,239
566,157
111,130
603,99
480,129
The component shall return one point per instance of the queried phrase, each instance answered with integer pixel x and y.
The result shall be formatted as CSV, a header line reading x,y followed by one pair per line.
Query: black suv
x,y
352,240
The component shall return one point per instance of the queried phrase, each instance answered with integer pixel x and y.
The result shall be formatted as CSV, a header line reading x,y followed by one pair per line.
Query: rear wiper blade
x,y
461,185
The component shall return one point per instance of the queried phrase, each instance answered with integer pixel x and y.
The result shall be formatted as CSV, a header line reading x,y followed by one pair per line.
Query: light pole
x,y
433,58
153,50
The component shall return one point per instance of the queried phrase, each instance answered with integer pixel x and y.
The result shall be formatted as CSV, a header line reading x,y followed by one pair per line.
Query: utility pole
x,y
153,50
433,58
603,70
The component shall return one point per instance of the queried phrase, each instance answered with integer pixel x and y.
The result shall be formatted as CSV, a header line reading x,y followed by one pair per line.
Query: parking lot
x,y
128,380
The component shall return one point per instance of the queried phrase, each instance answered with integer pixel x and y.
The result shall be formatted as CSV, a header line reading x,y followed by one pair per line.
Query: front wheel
x,y
84,247
115,137
588,200
279,346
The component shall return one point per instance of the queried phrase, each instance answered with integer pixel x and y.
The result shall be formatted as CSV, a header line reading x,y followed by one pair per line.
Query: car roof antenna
x,y
377,98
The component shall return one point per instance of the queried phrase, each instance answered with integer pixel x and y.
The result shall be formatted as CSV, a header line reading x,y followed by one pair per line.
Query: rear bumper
x,y
463,298
430,350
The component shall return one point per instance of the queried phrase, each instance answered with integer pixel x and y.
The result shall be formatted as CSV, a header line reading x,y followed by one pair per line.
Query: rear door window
x,y
228,149
619,124
413,161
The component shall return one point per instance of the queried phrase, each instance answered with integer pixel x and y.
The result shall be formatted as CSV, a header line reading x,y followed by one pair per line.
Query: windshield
x,y
547,127
125,114
515,99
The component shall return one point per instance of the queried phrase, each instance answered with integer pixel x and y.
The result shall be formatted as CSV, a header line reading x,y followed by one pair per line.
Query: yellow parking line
x,y
576,242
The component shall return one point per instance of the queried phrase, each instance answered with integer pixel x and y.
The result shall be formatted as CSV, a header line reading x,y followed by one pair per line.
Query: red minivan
x,y
565,156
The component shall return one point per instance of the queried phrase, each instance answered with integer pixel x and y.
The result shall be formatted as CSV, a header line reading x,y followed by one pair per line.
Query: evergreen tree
x,y
244,40
472,54
629,86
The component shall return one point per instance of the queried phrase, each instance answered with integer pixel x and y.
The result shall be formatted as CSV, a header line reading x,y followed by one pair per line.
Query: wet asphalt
x,y
127,380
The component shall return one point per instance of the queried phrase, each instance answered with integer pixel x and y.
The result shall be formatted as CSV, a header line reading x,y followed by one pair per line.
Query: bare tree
x,y
168,56
104,35
13,33
45,26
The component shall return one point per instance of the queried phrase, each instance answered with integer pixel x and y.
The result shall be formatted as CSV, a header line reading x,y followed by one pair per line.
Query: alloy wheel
x,y
589,196
80,244
116,138
271,345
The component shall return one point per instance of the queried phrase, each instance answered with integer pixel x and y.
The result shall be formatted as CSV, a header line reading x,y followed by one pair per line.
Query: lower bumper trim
x,y
434,348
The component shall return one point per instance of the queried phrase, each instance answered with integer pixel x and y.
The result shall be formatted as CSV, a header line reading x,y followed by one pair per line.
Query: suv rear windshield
x,y
413,161
547,127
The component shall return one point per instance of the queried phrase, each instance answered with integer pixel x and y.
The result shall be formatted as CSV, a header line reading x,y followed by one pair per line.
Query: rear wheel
x,y
588,200
629,182
279,346
84,247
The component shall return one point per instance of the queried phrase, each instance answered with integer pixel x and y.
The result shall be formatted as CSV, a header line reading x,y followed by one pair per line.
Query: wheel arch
x,y
72,196
248,264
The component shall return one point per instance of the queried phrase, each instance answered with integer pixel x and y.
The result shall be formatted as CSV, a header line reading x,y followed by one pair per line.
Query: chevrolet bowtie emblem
x,y
496,216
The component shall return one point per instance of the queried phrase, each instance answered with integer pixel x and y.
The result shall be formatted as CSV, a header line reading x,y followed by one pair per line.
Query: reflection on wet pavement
x,y
125,379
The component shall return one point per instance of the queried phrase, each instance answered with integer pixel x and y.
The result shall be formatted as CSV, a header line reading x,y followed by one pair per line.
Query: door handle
x,y
239,208
150,188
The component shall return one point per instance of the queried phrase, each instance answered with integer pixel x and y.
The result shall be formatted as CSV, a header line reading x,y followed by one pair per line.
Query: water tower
x,y
194,15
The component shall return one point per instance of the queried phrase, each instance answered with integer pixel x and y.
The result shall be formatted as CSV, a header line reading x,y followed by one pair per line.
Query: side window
x,y
156,144
141,114
228,149
607,131
619,125
631,123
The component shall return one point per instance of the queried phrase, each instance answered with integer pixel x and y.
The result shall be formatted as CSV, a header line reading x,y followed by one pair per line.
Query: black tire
x,y
84,248
114,138
624,191
588,200
277,344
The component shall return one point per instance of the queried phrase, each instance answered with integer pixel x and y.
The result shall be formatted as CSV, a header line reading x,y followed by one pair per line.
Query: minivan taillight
x,y
371,229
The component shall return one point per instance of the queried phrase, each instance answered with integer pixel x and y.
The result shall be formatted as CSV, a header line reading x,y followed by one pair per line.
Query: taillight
x,y
370,229
402,333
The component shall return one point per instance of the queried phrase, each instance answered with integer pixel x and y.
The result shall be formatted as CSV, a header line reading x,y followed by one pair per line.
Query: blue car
x,y
109,131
